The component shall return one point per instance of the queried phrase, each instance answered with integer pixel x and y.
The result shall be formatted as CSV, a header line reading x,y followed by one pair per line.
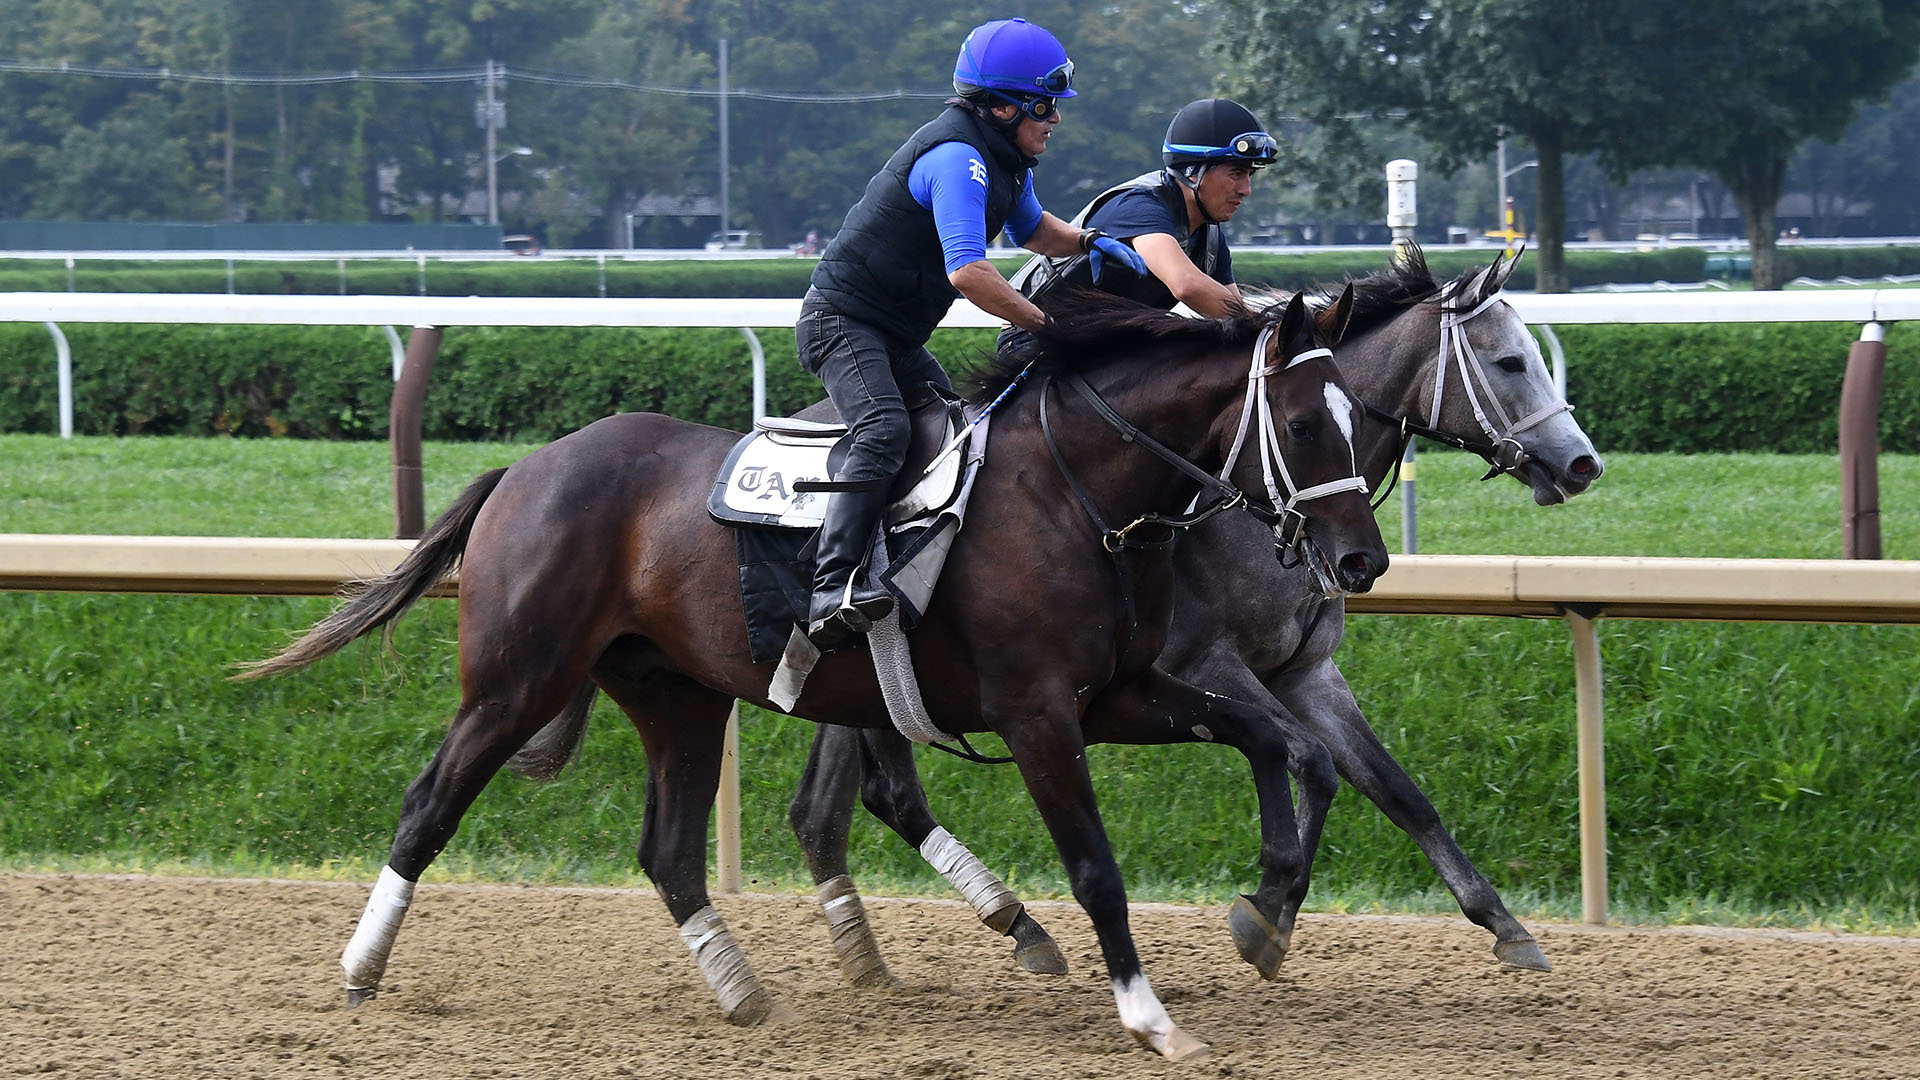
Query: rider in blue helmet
x,y
1173,217
914,243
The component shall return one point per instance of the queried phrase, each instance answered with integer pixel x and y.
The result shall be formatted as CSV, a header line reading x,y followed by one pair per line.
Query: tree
x,y
1566,74
1762,77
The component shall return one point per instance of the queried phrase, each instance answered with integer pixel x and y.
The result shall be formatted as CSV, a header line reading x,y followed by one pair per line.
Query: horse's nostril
x,y
1357,567
1585,467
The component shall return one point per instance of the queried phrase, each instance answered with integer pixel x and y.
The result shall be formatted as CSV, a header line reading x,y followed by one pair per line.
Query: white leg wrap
x,y
1141,1012
719,959
853,940
365,958
991,899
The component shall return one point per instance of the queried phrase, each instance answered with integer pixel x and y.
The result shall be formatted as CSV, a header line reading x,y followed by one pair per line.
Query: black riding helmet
x,y
1213,131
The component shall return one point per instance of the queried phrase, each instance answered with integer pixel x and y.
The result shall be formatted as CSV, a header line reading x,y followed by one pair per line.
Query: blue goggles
x,y
1037,106
1057,82
1255,146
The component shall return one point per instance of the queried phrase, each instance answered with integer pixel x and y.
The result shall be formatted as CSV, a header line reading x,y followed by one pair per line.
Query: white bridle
x,y
1454,344
1272,461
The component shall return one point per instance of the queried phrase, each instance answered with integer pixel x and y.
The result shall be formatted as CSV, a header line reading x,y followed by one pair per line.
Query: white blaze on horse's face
x,y
1561,459
1342,408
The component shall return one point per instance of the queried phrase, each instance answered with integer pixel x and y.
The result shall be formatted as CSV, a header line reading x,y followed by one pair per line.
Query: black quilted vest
x,y
1042,274
885,266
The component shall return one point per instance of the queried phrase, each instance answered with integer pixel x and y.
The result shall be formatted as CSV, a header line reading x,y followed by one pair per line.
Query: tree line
x,y
212,110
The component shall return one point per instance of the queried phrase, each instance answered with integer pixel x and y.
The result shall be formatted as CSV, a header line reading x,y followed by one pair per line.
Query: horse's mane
x,y
1092,328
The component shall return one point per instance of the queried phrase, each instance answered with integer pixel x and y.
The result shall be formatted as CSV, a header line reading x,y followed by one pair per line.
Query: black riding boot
x,y
842,605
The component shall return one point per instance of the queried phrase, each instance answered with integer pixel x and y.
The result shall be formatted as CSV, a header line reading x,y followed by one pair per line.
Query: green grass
x,y
1757,774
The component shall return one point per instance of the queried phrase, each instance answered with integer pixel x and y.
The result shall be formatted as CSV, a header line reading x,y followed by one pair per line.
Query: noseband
x,y
1502,450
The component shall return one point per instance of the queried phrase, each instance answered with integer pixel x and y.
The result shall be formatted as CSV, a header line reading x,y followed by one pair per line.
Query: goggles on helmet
x,y
1057,82
1257,147
1037,106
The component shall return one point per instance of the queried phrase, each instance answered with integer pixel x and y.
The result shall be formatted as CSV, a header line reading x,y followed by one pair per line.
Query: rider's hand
x,y
1106,253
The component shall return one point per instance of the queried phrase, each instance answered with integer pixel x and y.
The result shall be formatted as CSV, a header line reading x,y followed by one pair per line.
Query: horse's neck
x,y
1387,369
1180,406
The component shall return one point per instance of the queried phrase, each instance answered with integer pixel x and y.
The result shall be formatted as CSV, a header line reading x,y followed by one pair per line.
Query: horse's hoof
x,y
1041,958
1174,1044
1260,943
758,1008
358,994
872,977
1522,953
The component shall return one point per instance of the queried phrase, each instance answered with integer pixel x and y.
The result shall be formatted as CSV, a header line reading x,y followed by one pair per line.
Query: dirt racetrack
x,y
169,977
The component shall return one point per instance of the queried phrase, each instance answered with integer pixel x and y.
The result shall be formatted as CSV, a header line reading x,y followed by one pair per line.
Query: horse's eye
x,y
1512,365
1300,431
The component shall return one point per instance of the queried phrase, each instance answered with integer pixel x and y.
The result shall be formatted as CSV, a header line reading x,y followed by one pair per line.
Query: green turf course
x,y
1756,774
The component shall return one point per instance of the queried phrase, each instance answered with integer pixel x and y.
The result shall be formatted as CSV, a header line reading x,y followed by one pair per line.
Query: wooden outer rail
x,y
1578,589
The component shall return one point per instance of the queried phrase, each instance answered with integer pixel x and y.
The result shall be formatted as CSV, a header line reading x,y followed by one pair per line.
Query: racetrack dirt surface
x,y
172,977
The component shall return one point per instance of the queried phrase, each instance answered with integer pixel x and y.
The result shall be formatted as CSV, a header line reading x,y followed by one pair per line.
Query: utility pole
x,y
723,142
491,120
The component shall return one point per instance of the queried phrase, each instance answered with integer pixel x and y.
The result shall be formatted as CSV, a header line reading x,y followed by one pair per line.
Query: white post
x,y
726,809
63,367
1592,770
1402,210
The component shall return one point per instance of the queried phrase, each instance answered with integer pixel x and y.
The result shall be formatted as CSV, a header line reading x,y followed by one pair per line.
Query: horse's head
x,y
1310,470
1493,387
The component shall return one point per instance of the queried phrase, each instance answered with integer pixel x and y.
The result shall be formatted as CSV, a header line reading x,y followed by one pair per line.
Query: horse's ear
x,y
1296,328
1497,277
1332,323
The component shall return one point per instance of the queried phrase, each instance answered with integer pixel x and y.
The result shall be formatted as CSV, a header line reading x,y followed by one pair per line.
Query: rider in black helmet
x,y
1172,217
913,244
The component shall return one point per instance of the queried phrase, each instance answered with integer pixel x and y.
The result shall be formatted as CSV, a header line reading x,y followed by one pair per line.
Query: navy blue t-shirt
x,y
1141,211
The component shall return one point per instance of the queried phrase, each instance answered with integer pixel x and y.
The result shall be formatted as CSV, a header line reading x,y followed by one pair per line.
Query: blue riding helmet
x,y
1212,131
1016,59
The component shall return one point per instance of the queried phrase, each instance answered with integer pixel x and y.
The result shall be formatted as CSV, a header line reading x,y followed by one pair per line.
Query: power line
x,y
451,75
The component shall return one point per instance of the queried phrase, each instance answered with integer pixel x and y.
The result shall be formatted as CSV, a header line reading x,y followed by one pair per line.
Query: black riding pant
x,y
863,370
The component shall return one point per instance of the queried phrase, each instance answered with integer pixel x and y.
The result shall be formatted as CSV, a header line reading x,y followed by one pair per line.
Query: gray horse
x,y
1452,362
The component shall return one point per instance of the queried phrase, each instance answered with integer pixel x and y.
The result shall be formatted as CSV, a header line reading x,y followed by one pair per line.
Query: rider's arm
x,y
1168,262
951,181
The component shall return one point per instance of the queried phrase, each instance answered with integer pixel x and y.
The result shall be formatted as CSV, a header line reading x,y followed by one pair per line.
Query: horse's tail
x,y
374,604
553,746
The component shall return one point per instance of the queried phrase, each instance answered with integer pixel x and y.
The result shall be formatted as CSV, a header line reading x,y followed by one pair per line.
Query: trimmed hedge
x,y
1687,389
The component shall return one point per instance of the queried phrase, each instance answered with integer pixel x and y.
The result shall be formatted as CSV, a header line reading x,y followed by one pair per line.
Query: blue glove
x,y
1104,252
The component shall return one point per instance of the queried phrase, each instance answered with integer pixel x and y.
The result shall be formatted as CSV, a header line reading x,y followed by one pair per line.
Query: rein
x,y
1283,516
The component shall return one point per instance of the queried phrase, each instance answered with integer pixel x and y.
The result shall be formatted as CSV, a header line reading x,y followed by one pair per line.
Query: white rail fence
x,y
1578,590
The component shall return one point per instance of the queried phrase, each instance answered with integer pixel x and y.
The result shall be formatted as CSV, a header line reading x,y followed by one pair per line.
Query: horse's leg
x,y
891,791
1165,709
683,726
1321,697
1043,734
496,716
821,815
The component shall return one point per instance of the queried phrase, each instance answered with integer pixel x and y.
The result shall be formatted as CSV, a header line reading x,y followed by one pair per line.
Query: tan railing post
x,y
1860,444
1592,768
403,432
726,808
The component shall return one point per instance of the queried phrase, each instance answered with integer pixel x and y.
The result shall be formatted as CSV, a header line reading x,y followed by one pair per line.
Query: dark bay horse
x,y
1262,634
593,558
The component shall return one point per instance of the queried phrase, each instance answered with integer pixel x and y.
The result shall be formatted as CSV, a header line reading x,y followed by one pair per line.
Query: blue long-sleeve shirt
x,y
951,181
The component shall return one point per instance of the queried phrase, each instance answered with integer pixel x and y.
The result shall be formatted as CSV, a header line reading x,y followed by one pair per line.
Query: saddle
x,y
771,491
